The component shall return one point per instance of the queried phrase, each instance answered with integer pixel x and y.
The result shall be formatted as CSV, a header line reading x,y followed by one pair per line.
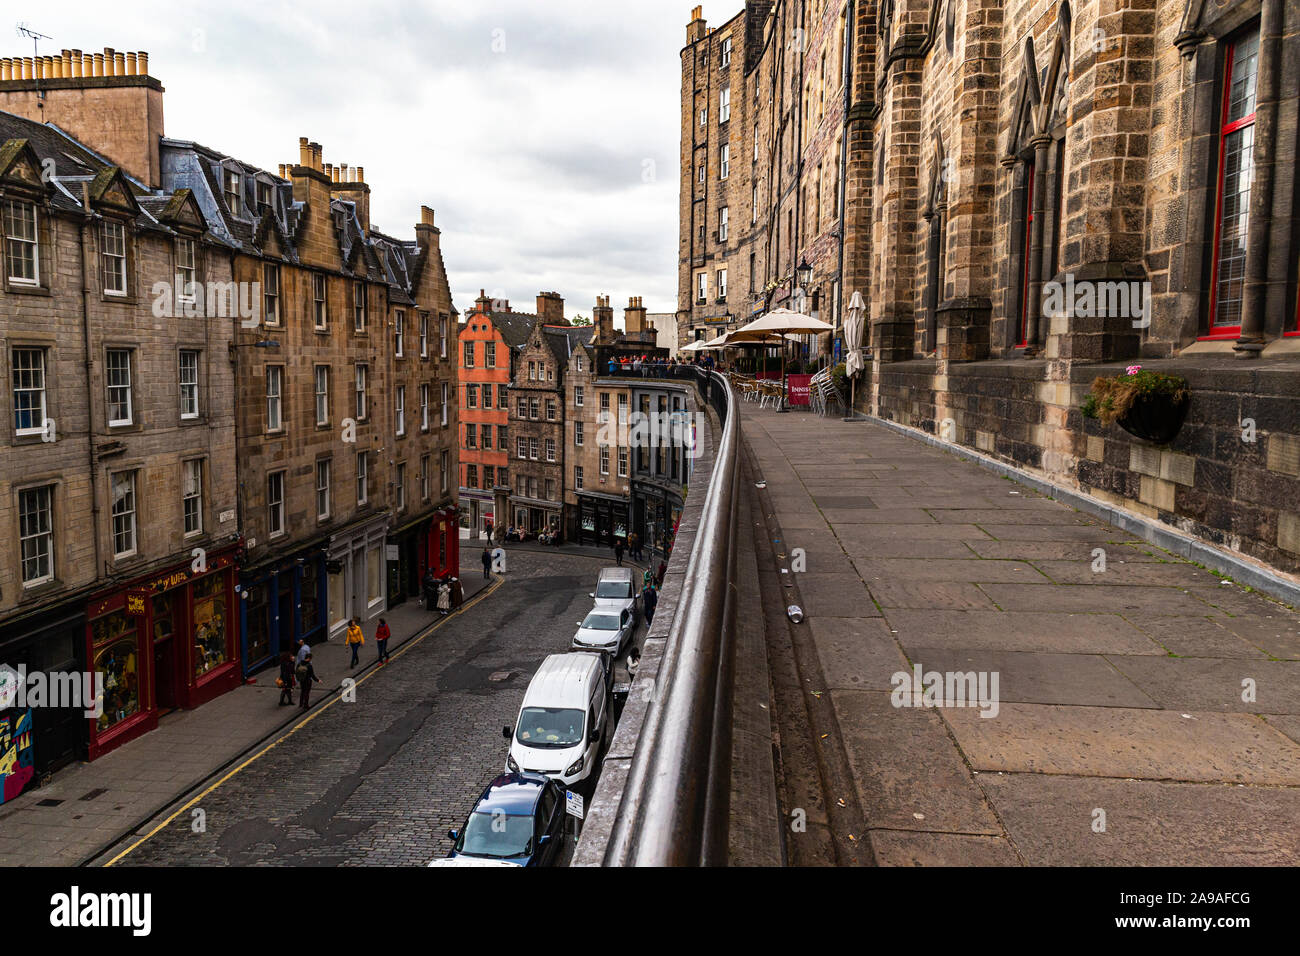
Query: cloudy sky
x,y
544,134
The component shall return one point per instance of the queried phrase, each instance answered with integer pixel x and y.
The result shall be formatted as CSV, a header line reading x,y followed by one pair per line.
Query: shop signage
x,y
136,603
800,388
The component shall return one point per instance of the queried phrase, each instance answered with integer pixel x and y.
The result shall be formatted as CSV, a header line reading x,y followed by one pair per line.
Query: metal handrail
x,y
674,806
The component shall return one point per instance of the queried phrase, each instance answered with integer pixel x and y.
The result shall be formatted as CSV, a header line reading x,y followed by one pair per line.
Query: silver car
x,y
605,629
616,589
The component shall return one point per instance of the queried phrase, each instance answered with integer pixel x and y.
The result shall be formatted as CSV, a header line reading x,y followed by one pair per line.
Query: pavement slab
x,y
1115,742
1088,680
910,848
1049,632
973,570
1205,636
1147,823
856,653
909,775
1202,683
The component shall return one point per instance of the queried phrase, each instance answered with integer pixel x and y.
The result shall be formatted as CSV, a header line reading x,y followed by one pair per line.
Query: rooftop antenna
x,y
24,30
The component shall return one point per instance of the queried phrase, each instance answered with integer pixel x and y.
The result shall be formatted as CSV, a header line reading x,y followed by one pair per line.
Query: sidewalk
x,y
1120,735
88,806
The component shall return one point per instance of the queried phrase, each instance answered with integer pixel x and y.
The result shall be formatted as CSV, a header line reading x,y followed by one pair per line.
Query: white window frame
x,y
271,294
360,306
550,449
724,161
578,433
577,477
361,384
123,511
275,504
119,386
275,398
35,385
321,391
15,239
113,257
444,405
363,478
192,496
724,214
399,409
424,407
189,390
323,469
399,334
36,530
320,302
724,105
424,335
186,270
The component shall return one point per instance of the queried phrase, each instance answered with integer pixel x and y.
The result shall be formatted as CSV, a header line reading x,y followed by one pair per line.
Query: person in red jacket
x,y
382,634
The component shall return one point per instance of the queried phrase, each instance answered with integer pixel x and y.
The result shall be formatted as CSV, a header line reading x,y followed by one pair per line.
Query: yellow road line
x,y
304,722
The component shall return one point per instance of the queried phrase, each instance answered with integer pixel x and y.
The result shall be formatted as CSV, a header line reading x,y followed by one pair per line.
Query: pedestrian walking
x,y
306,677
618,551
487,564
648,578
355,638
634,546
444,598
430,590
649,599
382,634
457,593
303,651
285,681
659,578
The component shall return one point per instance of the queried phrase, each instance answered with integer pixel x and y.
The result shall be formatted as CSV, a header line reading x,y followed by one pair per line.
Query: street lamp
x,y
803,274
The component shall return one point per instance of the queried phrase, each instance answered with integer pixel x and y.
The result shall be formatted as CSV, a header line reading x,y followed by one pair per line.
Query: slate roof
x,y
563,339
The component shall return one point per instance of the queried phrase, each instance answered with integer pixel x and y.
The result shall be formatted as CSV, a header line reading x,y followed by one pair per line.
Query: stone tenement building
x,y
490,341
1038,193
537,423
765,143
117,456
243,430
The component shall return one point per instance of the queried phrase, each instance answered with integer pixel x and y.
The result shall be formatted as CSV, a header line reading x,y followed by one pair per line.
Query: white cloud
x,y
534,156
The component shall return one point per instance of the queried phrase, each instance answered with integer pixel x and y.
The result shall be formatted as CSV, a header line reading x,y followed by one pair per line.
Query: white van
x,y
564,721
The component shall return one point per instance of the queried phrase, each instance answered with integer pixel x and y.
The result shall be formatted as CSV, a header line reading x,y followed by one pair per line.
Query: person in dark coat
x,y
286,678
306,677
663,569
457,593
649,600
618,551
382,634
487,563
430,590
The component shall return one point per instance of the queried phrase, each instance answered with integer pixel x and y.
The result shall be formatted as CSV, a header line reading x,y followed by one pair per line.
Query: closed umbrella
x,y
853,364
772,327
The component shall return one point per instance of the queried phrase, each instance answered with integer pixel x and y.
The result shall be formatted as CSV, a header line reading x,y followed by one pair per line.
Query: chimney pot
x,y
130,64
304,152
361,174
119,63
99,64
142,59
110,62
426,219
5,69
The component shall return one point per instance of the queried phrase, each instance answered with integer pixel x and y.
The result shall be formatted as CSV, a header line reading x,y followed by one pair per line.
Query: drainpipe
x,y
87,217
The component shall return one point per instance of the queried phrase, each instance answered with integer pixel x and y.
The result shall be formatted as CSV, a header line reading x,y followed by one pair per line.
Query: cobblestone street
x,y
381,780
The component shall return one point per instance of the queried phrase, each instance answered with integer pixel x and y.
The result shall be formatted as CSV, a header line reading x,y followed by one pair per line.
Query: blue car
x,y
518,821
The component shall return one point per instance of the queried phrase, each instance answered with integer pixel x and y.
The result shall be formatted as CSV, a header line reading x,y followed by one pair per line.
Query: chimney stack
x,y
602,317
697,29
634,316
550,306
426,233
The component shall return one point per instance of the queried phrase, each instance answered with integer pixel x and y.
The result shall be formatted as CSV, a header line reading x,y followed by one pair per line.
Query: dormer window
x,y
22,258
114,258
234,197
263,198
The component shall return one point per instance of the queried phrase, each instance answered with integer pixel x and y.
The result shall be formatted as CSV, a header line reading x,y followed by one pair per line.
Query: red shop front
x,y
441,551
162,642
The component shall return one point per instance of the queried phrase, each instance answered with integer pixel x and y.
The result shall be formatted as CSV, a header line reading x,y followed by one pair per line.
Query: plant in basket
x,y
1150,405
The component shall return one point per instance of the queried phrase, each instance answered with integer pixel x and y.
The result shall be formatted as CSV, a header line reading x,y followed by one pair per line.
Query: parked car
x,y
604,628
518,821
564,721
617,588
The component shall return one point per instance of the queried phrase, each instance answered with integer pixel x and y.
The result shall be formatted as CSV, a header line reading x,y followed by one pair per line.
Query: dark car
x,y
519,820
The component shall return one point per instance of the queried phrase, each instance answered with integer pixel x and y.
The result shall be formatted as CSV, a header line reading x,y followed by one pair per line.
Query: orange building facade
x,y
489,340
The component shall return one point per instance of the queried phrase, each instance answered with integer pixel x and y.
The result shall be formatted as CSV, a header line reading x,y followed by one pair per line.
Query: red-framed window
x,y
1022,339
1235,176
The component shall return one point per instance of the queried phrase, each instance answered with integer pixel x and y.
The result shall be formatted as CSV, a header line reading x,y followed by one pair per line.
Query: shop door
x,y
603,528
285,632
358,585
164,669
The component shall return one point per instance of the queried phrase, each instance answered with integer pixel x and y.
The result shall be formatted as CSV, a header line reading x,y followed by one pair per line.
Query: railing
x,y
664,793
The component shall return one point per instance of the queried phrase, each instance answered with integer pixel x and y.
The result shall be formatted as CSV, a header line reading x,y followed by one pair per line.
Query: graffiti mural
x,y
16,768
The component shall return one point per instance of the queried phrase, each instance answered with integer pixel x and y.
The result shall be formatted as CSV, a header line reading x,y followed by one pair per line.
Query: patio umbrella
x,y
853,363
773,327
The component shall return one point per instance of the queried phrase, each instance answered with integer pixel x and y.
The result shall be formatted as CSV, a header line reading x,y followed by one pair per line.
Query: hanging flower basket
x,y
1147,405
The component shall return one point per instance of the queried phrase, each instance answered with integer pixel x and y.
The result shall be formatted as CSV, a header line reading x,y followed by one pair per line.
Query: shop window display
x,y
117,658
210,616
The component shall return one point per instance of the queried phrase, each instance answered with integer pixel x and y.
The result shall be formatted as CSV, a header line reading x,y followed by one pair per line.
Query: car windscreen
x,y
550,727
601,621
614,589
497,835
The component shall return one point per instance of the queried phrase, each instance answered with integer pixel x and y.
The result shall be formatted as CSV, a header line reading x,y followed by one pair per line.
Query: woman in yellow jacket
x,y
355,639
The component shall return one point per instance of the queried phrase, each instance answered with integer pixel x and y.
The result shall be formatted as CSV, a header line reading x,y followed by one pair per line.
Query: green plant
x,y
840,378
1112,397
